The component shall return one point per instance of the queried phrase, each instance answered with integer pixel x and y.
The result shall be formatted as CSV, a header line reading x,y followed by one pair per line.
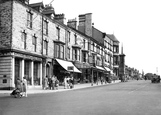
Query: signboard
x,y
70,68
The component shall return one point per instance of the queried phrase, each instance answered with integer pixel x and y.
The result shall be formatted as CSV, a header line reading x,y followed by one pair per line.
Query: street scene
x,y
128,98
77,57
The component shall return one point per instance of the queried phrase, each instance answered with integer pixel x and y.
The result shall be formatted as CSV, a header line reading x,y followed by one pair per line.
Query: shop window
x,y
36,74
27,72
17,69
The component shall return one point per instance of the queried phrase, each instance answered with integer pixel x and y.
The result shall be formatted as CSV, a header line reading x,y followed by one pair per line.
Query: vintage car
x,y
155,79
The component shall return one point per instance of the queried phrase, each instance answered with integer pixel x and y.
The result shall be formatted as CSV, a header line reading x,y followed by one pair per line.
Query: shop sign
x,y
70,68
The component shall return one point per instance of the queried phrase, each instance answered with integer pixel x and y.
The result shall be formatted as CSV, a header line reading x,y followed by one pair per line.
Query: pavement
x,y
61,88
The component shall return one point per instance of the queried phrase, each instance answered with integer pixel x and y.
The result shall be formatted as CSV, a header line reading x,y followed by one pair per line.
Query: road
x,y
128,98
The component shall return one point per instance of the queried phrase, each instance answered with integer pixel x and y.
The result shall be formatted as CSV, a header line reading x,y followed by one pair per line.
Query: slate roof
x,y
112,37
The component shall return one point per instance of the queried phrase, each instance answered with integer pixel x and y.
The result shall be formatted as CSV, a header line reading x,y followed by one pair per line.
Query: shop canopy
x,y
100,68
68,66
107,69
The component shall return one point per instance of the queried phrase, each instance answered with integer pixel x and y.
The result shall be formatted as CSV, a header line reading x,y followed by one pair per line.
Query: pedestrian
x,y
24,86
56,83
18,84
71,82
65,82
68,81
53,82
49,82
45,82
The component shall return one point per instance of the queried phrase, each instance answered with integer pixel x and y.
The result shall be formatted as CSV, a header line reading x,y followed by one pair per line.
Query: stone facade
x,y
5,24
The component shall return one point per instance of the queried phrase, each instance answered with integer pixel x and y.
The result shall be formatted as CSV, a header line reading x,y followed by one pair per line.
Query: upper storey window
x,y
23,38
68,35
29,19
45,27
58,32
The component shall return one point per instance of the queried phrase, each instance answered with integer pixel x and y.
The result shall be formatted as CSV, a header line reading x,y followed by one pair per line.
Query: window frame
x,y
29,19
24,39
34,42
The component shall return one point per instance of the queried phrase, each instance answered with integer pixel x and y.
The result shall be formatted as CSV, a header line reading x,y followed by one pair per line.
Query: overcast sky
x,y
135,23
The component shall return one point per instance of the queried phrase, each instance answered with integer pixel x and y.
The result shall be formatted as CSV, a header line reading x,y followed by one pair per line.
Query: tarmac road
x,y
128,98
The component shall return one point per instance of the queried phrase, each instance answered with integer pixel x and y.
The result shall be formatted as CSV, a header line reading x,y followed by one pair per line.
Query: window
x,y
58,32
34,42
68,36
45,27
59,51
93,60
98,49
84,56
68,53
23,38
27,71
36,74
46,46
92,46
29,19
76,54
84,43
75,38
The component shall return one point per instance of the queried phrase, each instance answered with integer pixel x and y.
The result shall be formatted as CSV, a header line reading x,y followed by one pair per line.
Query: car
x,y
155,79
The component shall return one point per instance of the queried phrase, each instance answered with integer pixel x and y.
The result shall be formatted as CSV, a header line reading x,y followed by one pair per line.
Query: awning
x,y
68,66
107,69
100,68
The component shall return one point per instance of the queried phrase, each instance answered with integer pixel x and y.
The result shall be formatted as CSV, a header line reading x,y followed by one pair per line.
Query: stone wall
x,y
5,25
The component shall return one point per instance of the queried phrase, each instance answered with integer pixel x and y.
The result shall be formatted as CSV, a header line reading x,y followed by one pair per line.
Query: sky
x,y
135,23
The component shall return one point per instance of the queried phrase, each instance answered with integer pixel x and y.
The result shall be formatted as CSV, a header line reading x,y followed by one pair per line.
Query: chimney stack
x,y
72,23
60,17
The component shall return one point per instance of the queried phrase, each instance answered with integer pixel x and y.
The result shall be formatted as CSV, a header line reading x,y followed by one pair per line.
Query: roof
x,y
112,37
50,11
91,38
36,4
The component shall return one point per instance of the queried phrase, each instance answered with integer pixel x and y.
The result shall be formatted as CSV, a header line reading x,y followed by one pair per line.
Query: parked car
x,y
155,79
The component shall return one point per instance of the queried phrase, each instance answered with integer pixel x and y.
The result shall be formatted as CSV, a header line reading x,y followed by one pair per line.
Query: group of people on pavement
x,y
21,85
51,83
68,82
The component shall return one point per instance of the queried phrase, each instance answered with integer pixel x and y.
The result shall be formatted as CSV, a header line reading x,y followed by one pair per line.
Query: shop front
x,y
18,65
64,68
